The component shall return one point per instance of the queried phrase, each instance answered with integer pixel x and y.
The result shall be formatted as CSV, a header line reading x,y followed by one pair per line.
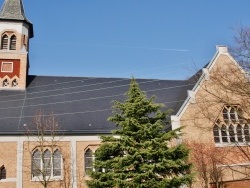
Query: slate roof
x,y
13,10
81,105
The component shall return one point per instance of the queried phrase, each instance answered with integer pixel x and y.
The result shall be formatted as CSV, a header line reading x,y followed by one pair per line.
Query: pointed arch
x,y
231,133
216,134
3,172
224,134
239,133
225,114
246,133
36,163
57,163
4,42
240,115
233,114
88,160
234,127
14,83
13,42
47,162
6,83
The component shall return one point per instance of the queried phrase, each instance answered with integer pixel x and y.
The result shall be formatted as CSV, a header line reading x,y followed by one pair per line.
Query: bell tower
x,y
15,32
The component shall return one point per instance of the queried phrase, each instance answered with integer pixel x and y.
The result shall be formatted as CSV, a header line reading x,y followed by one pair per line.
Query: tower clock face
x,y
9,68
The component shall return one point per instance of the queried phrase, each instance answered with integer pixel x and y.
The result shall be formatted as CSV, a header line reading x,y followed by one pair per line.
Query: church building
x,y
62,118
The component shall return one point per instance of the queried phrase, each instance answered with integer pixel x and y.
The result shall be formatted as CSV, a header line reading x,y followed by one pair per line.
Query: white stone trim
x,y
8,180
73,164
191,95
19,175
206,73
221,50
14,26
7,62
59,138
16,52
48,178
231,144
198,84
175,121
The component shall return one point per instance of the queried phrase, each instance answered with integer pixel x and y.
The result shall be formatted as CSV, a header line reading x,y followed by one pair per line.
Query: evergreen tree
x,y
138,154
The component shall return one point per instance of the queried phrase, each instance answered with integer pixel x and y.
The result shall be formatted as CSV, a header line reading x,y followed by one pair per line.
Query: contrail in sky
x,y
163,49
117,46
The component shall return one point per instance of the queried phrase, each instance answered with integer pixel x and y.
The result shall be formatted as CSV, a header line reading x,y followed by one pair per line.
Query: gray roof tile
x,y
81,105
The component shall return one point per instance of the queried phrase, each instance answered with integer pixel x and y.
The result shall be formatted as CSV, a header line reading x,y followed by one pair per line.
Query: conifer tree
x,y
138,154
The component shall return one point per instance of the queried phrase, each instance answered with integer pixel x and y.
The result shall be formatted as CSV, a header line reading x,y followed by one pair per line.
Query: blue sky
x,y
163,39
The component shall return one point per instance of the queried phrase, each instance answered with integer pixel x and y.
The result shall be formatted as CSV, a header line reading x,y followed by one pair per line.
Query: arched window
x,y
224,133
6,83
233,129
233,114
2,172
45,164
4,42
36,163
57,163
13,42
240,115
225,114
231,133
88,159
246,133
239,133
216,134
230,113
14,83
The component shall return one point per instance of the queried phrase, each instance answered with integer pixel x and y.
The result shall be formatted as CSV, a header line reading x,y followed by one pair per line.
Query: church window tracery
x,y
8,42
13,42
47,163
4,42
232,129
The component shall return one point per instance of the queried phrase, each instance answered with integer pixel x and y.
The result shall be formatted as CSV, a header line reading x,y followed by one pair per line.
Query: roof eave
x,y
58,133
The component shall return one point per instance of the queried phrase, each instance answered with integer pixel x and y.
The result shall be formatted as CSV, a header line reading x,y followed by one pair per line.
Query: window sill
x,y
231,144
87,177
40,178
8,180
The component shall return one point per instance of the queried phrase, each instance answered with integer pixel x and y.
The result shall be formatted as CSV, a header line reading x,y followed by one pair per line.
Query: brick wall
x,y
235,184
8,158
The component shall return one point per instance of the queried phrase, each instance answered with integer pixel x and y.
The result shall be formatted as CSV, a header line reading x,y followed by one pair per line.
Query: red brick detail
x,y
16,68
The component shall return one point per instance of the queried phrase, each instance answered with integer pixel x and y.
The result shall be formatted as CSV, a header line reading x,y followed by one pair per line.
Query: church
x,y
74,111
